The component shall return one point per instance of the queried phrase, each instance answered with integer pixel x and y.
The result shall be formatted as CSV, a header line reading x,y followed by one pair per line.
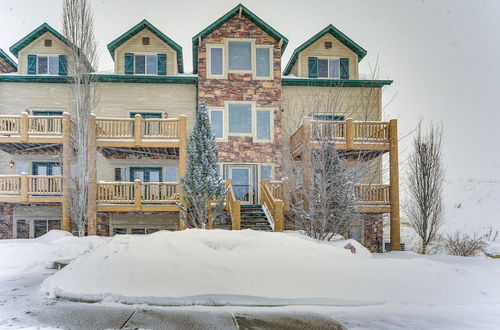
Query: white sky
x,y
444,56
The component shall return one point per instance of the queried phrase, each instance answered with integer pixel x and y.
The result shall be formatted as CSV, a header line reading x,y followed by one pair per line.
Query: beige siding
x,y
317,49
37,47
106,166
156,46
359,103
163,221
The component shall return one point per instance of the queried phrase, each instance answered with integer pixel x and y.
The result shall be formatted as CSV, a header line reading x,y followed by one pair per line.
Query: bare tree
x,y
425,175
322,199
78,28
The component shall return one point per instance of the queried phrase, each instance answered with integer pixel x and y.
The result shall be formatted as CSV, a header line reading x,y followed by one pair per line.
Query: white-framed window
x,y
145,64
264,119
215,61
329,68
217,122
171,174
47,65
266,172
239,118
263,61
240,55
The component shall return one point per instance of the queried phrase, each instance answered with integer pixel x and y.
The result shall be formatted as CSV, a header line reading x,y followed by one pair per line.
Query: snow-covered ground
x,y
362,291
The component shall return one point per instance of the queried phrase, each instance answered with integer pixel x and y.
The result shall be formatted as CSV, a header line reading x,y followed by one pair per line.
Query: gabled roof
x,y
7,59
337,34
230,14
144,24
18,46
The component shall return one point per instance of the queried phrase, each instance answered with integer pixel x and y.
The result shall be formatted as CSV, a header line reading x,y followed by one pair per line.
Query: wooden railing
x,y
274,203
233,206
347,132
24,186
137,128
372,194
137,192
28,126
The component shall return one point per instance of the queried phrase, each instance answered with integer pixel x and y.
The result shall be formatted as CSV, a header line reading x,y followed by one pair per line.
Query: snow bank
x,y
20,255
247,268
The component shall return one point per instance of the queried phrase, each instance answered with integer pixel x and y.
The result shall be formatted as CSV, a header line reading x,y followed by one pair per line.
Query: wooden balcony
x,y
370,137
139,132
31,188
374,198
137,196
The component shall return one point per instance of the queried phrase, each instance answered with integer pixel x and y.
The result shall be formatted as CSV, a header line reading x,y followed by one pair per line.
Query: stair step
x,y
255,206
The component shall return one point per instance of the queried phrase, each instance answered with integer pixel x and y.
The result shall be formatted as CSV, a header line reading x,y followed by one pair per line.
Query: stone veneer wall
x,y
242,87
373,230
4,67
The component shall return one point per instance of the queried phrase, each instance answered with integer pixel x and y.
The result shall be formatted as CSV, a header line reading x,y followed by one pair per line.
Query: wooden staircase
x,y
253,217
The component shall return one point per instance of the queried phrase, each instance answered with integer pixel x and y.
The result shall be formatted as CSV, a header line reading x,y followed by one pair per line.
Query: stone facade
x,y
373,231
243,87
23,226
5,67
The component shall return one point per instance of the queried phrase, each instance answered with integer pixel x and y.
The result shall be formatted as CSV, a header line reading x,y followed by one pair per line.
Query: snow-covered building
x,y
146,110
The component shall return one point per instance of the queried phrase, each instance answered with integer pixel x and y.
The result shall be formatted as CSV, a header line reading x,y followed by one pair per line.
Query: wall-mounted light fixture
x,y
12,164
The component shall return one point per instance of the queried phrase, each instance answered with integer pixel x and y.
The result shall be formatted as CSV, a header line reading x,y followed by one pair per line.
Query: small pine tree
x,y
203,186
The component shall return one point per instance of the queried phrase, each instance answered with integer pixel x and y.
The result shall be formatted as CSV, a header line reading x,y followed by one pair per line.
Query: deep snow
x,y
253,268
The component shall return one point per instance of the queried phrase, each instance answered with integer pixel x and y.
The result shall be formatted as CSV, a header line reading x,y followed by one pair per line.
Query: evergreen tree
x,y
203,186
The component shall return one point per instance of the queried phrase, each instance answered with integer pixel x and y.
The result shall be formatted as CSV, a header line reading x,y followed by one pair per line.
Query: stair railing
x,y
233,206
273,203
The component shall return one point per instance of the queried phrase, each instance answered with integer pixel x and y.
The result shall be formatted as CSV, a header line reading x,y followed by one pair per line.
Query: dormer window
x,y
146,64
48,65
328,68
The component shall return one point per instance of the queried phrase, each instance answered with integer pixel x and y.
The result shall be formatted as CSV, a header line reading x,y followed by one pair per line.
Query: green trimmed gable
x,y
335,33
35,34
144,24
238,10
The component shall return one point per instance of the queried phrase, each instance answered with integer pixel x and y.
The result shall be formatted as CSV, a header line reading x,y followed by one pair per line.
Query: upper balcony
x,y
22,132
370,137
31,188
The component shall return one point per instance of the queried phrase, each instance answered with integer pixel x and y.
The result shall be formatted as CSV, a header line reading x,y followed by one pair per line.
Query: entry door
x,y
242,183
146,174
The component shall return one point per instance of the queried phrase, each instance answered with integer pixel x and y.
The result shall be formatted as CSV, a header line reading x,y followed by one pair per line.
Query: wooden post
x,y
349,134
278,217
306,153
24,126
182,145
137,194
137,129
92,188
24,186
182,132
66,215
394,182
236,207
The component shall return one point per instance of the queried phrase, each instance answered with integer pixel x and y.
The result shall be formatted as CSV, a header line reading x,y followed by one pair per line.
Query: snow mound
x,y
20,255
220,267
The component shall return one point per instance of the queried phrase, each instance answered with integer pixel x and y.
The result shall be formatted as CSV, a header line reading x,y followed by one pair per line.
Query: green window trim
x,y
129,63
312,64
63,65
50,166
147,173
162,64
31,64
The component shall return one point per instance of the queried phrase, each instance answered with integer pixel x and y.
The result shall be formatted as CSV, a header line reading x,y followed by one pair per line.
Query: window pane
x,y
151,230
152,64
263,69
240,56
42,65
40,228
138,231
120,174
171,174
266,172
334,68
240,118
323,68
54,65
140,64
119,231
263,125
216,118
216,61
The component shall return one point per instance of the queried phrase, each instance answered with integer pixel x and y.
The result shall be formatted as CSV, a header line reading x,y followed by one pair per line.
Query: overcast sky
x,y
444,56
